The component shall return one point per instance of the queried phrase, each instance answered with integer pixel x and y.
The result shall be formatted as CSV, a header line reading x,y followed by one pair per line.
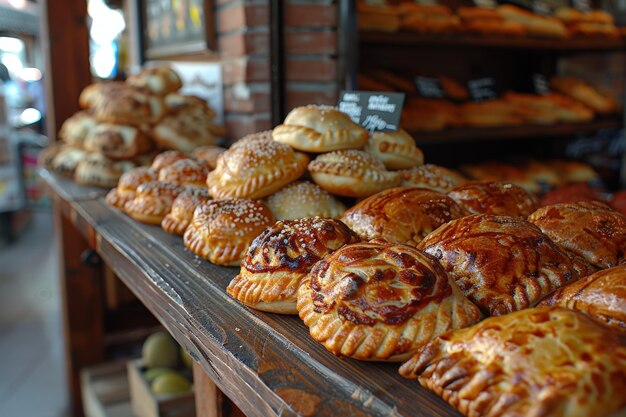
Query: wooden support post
x,y
208,396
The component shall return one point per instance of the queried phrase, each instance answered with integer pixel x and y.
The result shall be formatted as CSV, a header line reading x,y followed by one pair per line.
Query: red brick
x,y
243,44
322,69
315,15
254,103
242,17
242,70
311,42
300,97
239,125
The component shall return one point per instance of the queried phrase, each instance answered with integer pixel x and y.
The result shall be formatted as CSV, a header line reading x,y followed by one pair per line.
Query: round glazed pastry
x,y
280,257
304,199
209,154
159,80
379,302
98,170
499,198
503,264
589,229
127,185
352,173
221,230
186,172
186,130
152,202
129,107
167,158
116,141
263,136
94,93
177,220
500,171
397,150
433,177
255,169
401,215
75,129
319,129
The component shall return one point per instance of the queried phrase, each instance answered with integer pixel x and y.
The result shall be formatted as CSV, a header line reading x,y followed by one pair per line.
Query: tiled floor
x,y
32,379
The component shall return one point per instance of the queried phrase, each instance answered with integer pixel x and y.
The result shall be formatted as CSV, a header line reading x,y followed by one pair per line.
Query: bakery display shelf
x,y
266,363
468,134
480,41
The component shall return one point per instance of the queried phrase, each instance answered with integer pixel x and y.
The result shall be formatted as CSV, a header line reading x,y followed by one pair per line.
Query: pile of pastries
x,y
570,101
503,20
122,124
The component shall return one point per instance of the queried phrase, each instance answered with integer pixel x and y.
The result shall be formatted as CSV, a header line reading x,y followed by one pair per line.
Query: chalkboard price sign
x,y
429,87
582,5
482,89
373,110
541,84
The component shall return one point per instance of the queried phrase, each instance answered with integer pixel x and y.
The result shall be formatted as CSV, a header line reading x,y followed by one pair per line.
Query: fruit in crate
x,y
152,373
160,351
170,383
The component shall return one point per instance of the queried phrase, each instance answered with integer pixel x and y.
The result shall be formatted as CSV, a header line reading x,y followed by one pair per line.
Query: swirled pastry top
x,y
159,80
401,215
127,185
302,199
380,301
433,177
98,170
129,106
76,128
501,263
601,296
116,141
499,198
192,172
167,158
255,169
397,150
93,94
177,220
589,229
186,130
542,362
320,129
152,202
281,256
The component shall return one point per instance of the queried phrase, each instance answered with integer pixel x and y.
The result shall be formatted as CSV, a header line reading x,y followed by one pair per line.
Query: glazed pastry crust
x,y
304,199
537,362
589,229
76,128
503,264
186,130
401,215
152,202
186,172
280,257
167,158
397,150
498,198
433,177
221,230
183,207
379,301
319,129
129,107
209,154
117,141
352,173
127,185
97,170
159,80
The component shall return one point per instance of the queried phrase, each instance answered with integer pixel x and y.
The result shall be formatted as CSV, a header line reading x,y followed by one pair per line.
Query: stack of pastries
x,y
121,124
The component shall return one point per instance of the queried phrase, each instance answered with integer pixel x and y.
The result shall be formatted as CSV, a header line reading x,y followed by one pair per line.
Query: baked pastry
x,y
590,229
421,23
379,18
255,169
302,199
75,129
540,172
222,230
548,108
159,80
152,202
454,90
167,158
493,113
280,257
409,7
570,193
574,171
501,171
186,172
66,160
538,26
176,102
499,198
601,296
584,93
93,94
177,220
319,129
433,177
185,131
535,362
618,201
503,264
352,173
401,215
117,141
98,170
209,154
47,154
397,150
378,301
129,107
128,184
263,136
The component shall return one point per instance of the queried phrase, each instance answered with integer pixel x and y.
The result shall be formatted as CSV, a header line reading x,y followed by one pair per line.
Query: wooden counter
x,y
267,364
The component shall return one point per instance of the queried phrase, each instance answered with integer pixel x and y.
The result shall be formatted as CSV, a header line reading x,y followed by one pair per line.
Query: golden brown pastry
x,y
319,129
421,23
47,154
537,26
503,264
255,169
499,198
117,141
280,257
152,202
129,107
570,193
378,301
540,172
536,362
352,173
159,80
493,113
186,172
177,220
601,296
98,170
76,129
378,18
209,154
584,93
500,171
302,199
574,171
128,184
66,160
263,136
167,158
221,230
186,130
93,94
433,177
397,150
401,215
454,90
590,229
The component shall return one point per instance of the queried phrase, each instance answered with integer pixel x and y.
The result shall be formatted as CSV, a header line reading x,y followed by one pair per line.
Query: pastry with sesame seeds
x,y
397,150
209,154
186,172
177,220
255,169
167,158
153,202
433,177
499,198
320,129
280,257
127,185
302,199
221,230
352,173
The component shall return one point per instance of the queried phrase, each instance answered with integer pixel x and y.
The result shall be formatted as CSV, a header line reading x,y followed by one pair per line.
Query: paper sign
x,y
373,110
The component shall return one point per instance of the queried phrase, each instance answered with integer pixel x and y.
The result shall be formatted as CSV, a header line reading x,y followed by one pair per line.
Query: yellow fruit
x,y
160,351
186,357
170,383
152,373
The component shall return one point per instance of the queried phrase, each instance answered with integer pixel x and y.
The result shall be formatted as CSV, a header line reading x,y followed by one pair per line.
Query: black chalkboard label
x,y
487,4
482,89
429,87
541,8
582,5
541,84
373,110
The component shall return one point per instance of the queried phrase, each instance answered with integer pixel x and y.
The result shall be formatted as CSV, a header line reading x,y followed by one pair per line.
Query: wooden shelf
x,y
467,40
516,132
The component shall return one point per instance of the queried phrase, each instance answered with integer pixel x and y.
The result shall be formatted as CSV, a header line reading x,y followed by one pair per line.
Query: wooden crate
x,y
105,390
146,404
